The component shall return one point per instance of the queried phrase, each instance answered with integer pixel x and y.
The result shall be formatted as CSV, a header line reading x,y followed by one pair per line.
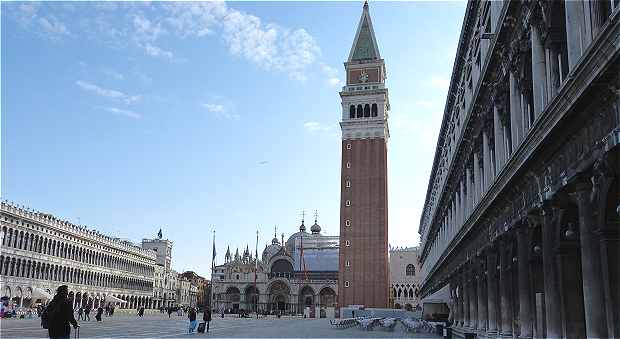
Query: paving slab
x,y
160,326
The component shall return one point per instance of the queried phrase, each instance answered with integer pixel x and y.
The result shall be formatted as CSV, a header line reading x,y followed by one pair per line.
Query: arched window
x,y
352,112
360,111
410,270
367,111
374,110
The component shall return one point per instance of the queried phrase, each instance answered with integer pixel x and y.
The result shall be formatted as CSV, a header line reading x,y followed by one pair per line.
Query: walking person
x,y
99,313
80,313
192,320
206,317
87,313
141,312
58,315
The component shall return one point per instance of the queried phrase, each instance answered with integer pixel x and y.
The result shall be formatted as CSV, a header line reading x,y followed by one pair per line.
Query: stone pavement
x,y
159,326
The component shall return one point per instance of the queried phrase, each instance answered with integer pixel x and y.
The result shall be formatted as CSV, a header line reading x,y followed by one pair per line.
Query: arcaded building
x,y
41,252
363,264
522,214
292,277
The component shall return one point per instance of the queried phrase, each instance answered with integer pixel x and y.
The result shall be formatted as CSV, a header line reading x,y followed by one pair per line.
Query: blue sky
x,y
128,117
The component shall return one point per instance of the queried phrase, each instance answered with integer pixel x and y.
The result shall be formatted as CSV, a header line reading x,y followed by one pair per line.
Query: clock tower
x,y
363,263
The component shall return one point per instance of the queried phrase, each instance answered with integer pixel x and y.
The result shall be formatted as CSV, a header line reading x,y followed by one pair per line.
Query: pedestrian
x,y
99,313
206,317
58,315
87,313
112,310
192,320
141,312
80,313
169,311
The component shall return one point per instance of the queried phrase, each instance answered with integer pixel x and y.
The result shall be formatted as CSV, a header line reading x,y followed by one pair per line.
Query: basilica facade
x,y
521,223
299,276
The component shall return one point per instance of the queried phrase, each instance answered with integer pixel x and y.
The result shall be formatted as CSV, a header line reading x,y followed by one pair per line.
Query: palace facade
x,y
298,276
405,278
522,215
41,252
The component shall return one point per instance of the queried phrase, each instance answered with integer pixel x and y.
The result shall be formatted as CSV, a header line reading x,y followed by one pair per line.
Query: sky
x,y
193,117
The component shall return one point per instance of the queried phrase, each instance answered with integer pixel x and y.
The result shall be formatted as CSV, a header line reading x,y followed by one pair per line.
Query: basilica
x,y
299,276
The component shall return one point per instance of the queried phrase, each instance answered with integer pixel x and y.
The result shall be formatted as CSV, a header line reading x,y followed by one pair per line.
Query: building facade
x,y
405,277
363,264
202,288
41,252
187,292
298,276
165,279
522,214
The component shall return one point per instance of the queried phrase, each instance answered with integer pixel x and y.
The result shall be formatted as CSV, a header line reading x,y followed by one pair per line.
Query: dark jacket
x,y
61,317
192,315
207,315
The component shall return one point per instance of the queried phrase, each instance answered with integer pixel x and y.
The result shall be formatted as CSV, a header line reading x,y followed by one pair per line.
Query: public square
x,y
159,326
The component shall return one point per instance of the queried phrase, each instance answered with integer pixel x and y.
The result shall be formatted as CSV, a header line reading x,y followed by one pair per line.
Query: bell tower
x,y
363,263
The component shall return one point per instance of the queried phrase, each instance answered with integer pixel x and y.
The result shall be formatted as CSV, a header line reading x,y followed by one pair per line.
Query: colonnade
x,y
552,274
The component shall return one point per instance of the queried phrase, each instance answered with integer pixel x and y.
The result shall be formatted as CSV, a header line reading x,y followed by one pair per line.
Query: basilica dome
x,y
271,249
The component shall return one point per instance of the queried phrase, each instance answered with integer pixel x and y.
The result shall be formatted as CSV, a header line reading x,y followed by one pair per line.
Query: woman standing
x,y
192,320
206,317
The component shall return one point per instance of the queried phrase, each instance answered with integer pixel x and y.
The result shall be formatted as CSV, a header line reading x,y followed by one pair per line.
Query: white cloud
x,y
53,27
314,126
268,45
114,74
213,107
108,93
332,75
124,112
440,83
221,111
157,52
145,30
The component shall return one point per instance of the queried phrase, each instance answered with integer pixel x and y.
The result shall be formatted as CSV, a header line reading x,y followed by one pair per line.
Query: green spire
x,y
364,46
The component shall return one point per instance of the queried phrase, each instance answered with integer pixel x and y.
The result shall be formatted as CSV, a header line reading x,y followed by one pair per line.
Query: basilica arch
x,y
279,296
233,297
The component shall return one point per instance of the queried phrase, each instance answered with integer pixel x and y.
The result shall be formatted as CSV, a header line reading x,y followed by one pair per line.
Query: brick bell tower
x,y
363,263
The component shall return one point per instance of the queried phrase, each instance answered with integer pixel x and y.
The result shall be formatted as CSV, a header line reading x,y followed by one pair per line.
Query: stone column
x,y
469,195
500,156
473,301
553,70
575,22
525,307
482,302
505,289
539,81
467,296
593,286
553,316
461,299
492,290
463,203
476,181
486,153
457,199
516,114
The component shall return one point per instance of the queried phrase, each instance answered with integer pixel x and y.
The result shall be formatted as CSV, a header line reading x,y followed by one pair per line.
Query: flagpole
x,y
256,274
212,273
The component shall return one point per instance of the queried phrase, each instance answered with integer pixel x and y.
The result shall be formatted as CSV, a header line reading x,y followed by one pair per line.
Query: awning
x,y
113,299
440,296
38,293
